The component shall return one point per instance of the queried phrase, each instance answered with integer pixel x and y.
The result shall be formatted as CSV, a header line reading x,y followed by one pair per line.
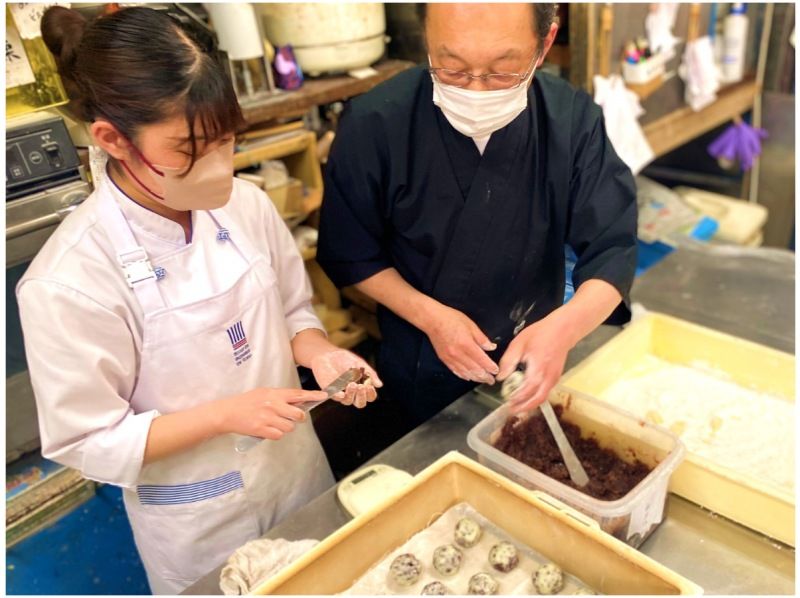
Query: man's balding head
x,y
542,15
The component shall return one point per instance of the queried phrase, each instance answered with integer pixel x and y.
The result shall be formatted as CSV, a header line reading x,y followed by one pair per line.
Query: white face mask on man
x,y
478,114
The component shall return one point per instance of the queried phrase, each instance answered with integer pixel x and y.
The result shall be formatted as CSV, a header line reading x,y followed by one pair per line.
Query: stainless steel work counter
x,y
748,294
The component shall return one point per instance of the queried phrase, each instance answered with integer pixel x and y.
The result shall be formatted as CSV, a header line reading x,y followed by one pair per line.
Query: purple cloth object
x,y
738,142
288,74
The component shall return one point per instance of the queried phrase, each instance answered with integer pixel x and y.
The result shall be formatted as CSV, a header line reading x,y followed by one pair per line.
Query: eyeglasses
x,y
490,80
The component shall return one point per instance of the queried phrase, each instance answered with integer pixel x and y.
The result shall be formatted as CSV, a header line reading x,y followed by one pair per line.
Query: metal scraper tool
x,y
576,471
338,385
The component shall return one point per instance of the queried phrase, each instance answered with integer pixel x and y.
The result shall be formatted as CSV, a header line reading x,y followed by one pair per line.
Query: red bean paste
x,y
531,442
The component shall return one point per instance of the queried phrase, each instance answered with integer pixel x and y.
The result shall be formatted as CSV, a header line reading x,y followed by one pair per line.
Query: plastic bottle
x,y
734,34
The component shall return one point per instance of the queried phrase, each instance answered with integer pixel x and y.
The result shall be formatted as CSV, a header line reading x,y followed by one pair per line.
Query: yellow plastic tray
x,y
556,531
755,504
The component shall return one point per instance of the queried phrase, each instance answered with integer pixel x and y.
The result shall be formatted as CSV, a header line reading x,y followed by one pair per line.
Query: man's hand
x,y
457,340
542,347
461,345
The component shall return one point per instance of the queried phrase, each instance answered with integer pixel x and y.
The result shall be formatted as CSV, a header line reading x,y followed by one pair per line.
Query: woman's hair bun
x,y
62,30
135,66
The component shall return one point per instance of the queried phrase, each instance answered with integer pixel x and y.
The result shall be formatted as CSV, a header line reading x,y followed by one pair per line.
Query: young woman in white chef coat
x,y
165,317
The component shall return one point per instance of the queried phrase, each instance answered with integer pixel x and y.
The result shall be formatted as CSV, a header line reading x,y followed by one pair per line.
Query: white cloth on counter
x,y
621,110
258,560
700,73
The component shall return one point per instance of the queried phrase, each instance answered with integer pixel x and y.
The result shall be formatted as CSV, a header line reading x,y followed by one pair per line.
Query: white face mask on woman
x,y
207,186
480,113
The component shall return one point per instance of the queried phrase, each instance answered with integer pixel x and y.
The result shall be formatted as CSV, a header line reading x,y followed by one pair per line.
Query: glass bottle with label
x,y
32,80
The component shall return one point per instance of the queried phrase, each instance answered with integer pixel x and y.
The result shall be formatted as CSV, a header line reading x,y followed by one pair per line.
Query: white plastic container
x,y
740,221
327,37
734,41
631,518
237,29
646,71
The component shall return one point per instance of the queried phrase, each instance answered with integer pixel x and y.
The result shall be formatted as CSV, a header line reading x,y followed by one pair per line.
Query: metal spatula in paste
x,y
576,471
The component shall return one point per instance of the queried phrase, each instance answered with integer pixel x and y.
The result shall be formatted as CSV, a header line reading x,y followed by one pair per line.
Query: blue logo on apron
x,y
241,348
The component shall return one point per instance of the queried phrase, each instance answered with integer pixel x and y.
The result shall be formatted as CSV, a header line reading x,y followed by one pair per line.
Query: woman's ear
x,y
111,140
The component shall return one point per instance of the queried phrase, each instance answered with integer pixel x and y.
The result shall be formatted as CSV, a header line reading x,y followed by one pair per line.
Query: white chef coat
x,y
86,334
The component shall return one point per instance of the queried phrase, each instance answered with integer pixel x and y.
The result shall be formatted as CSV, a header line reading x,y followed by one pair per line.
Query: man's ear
x,y
547,43
111,140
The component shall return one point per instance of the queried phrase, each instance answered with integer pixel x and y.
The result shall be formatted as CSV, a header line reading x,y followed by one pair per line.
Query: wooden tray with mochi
x,y
462,552
553,531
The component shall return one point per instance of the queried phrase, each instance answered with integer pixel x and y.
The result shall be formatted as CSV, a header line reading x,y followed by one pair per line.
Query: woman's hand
x,y
330,365
264,412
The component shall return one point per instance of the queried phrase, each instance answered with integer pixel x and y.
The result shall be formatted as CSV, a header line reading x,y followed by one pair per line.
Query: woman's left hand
x,y
332,364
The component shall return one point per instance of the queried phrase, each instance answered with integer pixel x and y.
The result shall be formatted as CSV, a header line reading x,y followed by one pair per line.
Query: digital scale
x,y
365,488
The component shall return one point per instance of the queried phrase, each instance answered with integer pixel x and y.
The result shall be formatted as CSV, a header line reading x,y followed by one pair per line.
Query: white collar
x,y
145,220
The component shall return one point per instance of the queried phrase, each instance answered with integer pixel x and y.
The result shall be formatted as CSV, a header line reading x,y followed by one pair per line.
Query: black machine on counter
x,y
44,183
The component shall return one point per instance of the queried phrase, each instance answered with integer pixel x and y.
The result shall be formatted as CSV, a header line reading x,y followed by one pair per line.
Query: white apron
x,y
213,327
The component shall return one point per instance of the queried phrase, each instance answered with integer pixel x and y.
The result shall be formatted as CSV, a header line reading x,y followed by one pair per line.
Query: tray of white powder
x,y
729,400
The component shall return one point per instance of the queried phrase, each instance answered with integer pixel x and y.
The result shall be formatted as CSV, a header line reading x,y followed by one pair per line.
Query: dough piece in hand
x,y
405,569
548,579
482,584
512,384
467,533
503,557
447,559
435,588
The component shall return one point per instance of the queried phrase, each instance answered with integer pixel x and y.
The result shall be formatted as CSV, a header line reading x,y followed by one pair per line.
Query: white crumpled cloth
x,y
700,73
659,23
621,110
257,561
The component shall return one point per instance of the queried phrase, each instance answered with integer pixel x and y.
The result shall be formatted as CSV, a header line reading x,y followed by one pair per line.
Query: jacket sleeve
x,y
83,362
602,212
352,231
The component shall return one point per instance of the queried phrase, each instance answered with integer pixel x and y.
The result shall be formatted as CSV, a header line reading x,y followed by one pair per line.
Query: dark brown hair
x,y
136,67
544,15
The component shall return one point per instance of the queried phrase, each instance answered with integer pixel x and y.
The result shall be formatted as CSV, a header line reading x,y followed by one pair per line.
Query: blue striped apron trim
x,y
187,493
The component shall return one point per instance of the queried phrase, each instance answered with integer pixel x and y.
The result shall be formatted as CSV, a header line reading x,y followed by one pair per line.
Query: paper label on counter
x,y
647,514
28,16
18,68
